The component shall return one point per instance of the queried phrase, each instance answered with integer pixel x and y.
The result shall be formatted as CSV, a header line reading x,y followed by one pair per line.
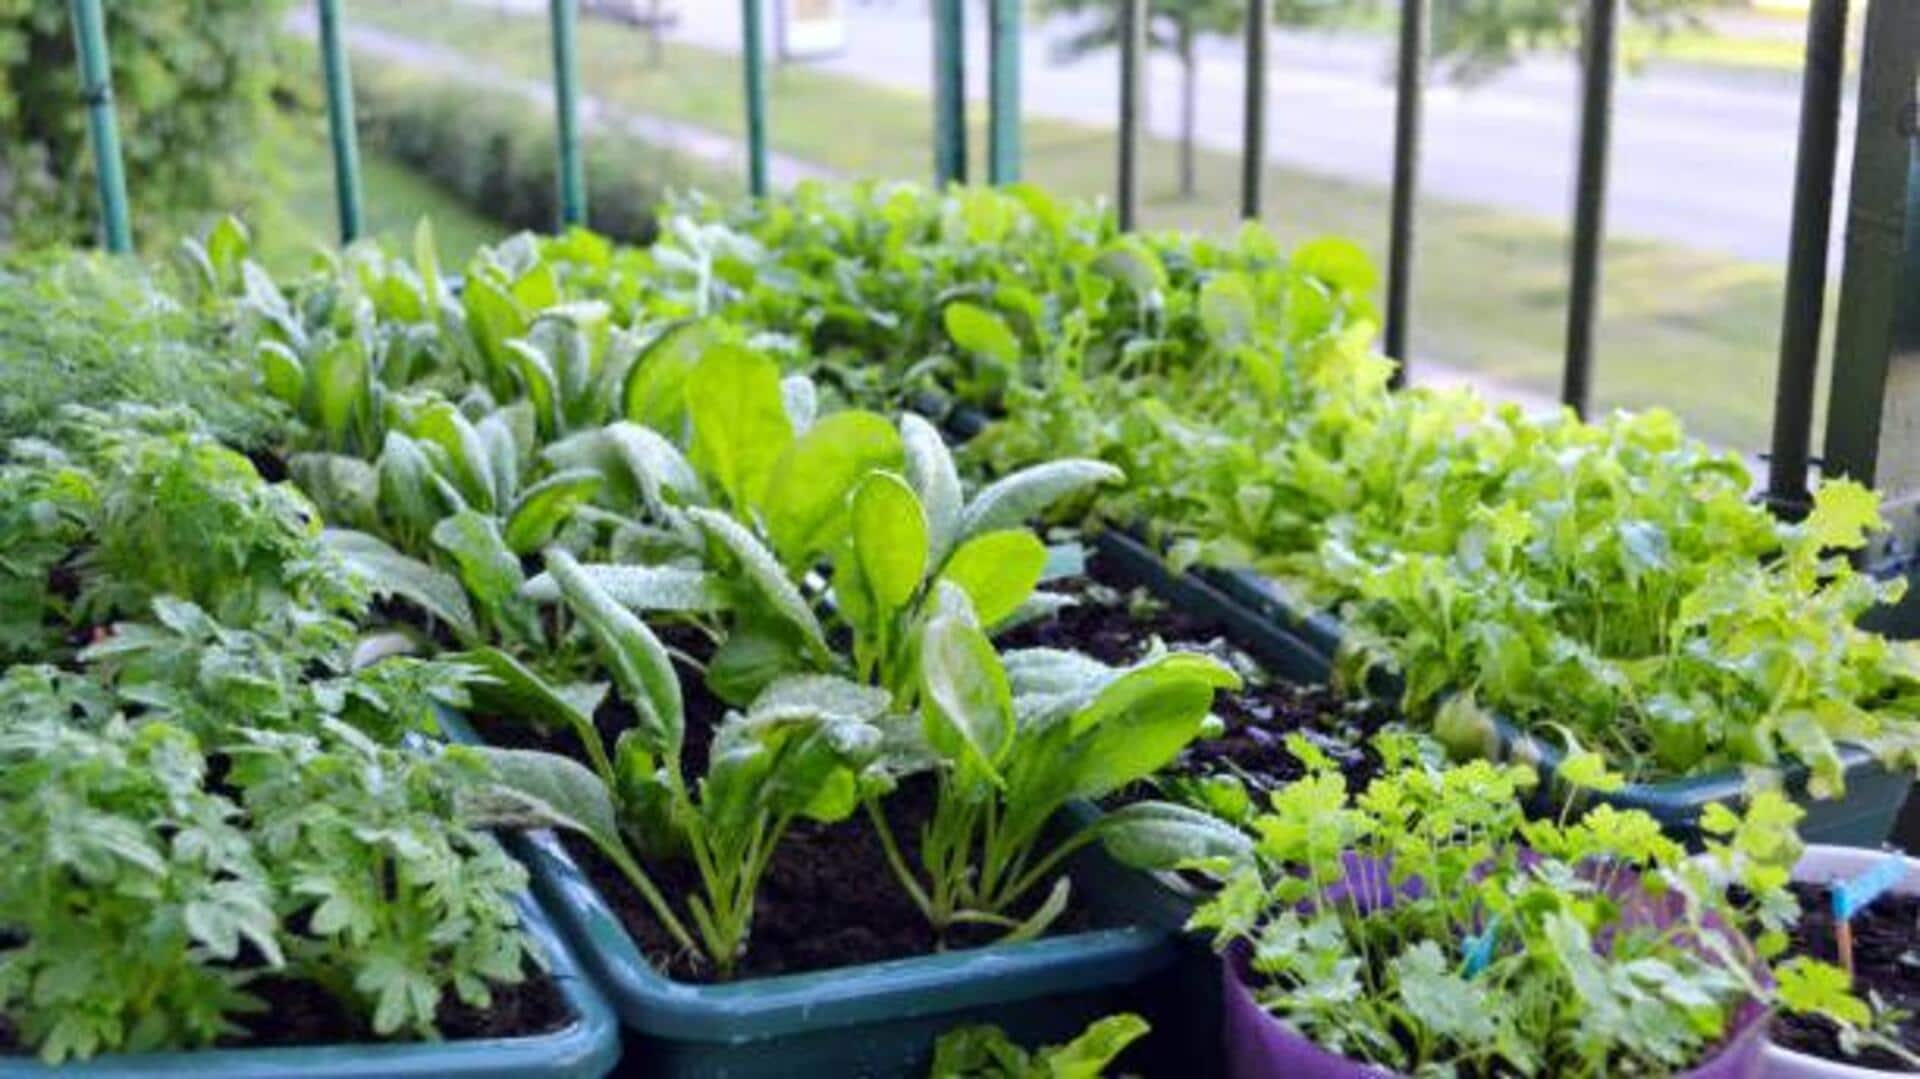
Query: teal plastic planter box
x,y
1302,645
877,1020
587,1047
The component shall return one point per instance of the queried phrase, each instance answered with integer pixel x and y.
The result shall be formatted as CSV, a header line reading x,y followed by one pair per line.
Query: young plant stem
x,y
589,736
648,891
894,859
1032,877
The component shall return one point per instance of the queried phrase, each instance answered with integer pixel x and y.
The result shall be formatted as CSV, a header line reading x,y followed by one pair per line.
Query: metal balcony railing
x,y
1873,433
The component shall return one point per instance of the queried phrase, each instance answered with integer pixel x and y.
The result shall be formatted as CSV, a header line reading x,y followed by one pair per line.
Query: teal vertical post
x,y
1253,141
1003,83
753,48
949,92
346,146
566,95
96,88
1133,62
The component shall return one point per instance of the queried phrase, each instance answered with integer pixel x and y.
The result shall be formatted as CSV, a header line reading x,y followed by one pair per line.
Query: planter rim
x,y
589,1045
1327,1063
761,1008
1821,863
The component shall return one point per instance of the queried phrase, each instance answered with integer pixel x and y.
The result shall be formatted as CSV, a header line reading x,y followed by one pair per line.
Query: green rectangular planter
x,y
1864,817
587,1047
880,1019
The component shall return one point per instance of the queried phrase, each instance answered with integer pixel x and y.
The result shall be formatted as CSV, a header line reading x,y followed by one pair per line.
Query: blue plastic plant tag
x,y
1850,897
1064,560
1480,949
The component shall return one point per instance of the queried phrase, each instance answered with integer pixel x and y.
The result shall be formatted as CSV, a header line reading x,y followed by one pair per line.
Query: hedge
x,y
494,150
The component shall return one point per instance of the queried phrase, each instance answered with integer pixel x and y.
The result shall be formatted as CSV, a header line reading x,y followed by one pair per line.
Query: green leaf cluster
x,y
1428,926
116,509
208,792
146,894
985,1052
193,85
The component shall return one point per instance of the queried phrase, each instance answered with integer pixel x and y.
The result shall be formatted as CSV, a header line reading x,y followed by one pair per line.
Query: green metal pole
x,y
96,87
1133,59
949,93
1003,79
346,147
752,45
566,93
1253,143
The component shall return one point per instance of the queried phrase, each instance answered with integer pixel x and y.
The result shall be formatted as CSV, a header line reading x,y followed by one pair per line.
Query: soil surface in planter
x,y
829,898
1886,960
299,1014
1117,625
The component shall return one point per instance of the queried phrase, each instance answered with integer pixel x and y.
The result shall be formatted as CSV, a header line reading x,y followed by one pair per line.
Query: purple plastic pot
x,y
1259,1045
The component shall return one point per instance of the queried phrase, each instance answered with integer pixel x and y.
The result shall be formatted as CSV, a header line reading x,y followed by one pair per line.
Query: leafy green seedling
x,y
1011,742
797,752
985,1052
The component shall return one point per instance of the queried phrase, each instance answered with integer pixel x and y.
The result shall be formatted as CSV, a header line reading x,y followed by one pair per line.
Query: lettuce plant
x,y
1610,578
985,1052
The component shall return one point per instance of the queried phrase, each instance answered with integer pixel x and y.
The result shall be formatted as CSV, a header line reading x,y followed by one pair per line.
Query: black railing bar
x,y
1599,59
1874,335
1805,306
1409,107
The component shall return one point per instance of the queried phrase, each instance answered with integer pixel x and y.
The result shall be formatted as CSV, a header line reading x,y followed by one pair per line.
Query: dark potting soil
x,y
269,463
1118,626
300,1013
1886,960
829,899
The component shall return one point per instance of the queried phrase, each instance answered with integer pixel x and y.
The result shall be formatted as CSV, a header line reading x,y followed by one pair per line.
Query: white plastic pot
x,y
1821,865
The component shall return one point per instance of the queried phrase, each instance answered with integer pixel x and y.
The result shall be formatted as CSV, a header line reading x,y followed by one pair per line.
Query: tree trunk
x,y
1189,106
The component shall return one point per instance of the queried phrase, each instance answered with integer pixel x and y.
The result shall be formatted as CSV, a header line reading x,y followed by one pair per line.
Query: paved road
x,y
1701,158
